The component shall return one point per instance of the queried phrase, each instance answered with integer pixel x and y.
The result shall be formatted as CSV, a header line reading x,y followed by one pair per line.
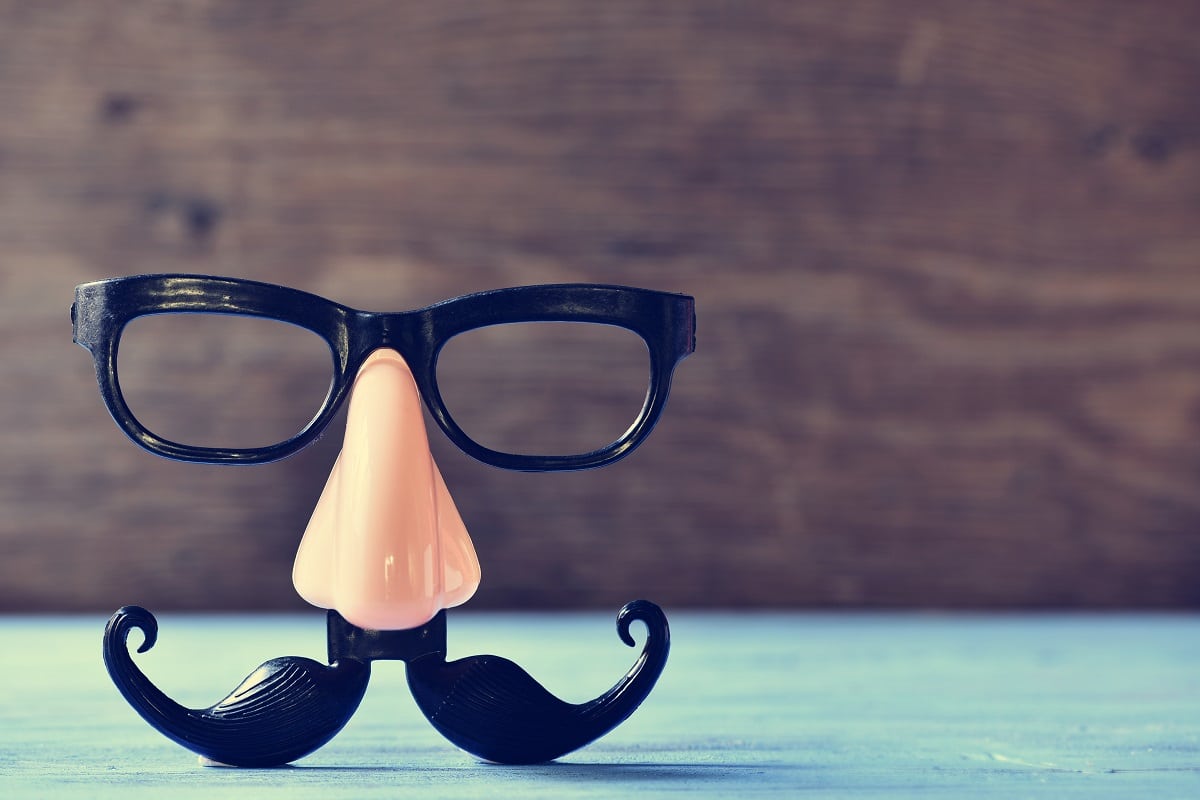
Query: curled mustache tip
x,y
284,710
646,612
126,620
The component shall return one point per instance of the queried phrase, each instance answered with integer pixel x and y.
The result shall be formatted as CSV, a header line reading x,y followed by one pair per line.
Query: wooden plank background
x,y
946,259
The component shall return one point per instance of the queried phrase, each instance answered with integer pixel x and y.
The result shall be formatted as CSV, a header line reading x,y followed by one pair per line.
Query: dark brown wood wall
x,y
946,258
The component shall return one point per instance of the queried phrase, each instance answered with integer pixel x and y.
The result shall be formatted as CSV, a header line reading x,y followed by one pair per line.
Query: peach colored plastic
x,y
385,546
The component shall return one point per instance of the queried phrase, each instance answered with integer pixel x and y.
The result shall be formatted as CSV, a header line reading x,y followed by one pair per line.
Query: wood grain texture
x,y
753,705
946,259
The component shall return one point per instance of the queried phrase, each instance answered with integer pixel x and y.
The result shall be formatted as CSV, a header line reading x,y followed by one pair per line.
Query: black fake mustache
x,y
291,706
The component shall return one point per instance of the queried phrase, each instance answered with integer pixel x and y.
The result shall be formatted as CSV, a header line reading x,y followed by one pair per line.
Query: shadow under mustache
x,y
290,706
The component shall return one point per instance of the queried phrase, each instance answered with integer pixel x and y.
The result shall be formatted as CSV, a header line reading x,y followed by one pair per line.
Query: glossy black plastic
x,y
282,711
664,321
493,709
291,706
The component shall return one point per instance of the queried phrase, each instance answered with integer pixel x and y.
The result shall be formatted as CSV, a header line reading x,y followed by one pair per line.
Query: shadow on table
x,y
599,772
636,772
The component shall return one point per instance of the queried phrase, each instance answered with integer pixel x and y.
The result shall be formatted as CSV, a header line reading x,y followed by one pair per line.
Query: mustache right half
x,y
495,710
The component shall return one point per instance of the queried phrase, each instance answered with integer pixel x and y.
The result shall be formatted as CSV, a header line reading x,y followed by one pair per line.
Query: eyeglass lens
x,y
219,380
544,388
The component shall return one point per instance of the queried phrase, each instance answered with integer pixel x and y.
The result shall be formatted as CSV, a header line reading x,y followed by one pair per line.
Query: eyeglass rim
x,y
664,321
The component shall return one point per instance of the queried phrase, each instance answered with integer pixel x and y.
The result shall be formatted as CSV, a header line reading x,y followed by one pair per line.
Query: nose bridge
x,y
385,544
392,330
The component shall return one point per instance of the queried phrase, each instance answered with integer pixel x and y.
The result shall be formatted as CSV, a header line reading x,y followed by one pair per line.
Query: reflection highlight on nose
x,y
385,546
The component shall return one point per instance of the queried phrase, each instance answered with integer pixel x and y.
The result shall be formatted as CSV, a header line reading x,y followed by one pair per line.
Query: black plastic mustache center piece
x,y
290,706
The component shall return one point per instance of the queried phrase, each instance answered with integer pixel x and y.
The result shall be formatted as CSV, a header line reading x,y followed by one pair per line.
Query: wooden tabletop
x,y
750,704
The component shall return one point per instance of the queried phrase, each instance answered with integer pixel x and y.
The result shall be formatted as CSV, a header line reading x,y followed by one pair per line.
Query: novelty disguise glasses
x,y
290,706
663,321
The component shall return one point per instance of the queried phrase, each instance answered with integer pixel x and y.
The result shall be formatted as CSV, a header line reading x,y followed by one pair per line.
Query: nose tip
x,y
385,545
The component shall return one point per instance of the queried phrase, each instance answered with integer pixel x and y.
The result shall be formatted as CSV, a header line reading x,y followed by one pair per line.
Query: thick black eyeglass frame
x,y
664,321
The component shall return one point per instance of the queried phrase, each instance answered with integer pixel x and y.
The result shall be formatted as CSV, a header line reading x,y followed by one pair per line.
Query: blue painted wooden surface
x,y
750,705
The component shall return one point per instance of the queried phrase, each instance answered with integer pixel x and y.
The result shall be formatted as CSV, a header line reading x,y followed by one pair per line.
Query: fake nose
x,y
385,546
